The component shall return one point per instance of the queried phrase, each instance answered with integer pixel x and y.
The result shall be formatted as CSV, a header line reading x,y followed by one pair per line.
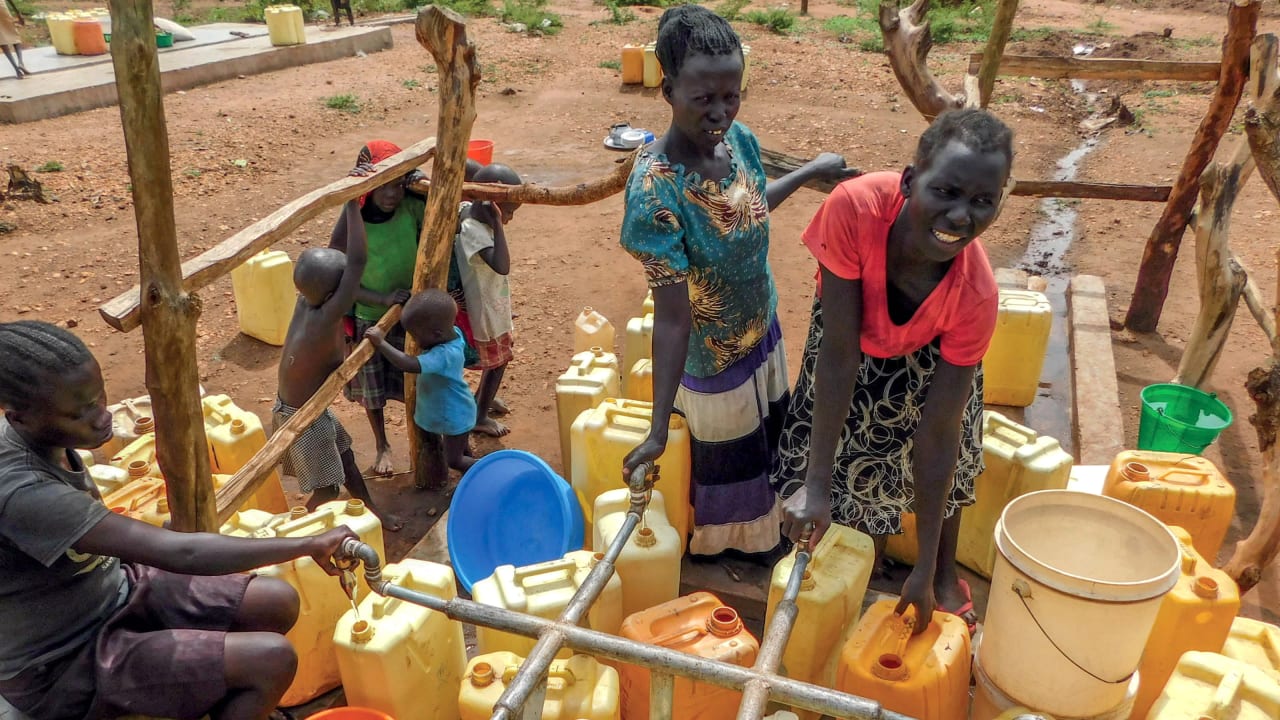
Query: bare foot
x,y
491,427
382,466
956,598
498,407
390,523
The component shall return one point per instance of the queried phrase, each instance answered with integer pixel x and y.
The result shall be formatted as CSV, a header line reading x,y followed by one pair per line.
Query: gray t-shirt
x,y
52,598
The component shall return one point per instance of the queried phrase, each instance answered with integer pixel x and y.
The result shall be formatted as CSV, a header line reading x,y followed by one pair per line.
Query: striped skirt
x,y
735,418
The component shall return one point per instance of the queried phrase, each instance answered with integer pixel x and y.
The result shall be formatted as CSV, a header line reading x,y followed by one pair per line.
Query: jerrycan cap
x,y
596,350
139,468
237,427
724,622
297,511
162,506
361,631
143,425
355,507
1136,472
482,675
1205,587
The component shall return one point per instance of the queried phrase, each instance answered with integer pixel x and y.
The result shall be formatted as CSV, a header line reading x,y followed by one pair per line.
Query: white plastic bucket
x,y
991,703
1077,583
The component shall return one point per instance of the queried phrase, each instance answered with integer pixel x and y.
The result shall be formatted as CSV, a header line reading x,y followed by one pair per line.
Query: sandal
x,y
964,609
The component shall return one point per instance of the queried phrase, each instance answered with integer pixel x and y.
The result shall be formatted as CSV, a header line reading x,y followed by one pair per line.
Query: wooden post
x,y
443,33
804,7
907,41
1059,68
1152,285
991,54
168,313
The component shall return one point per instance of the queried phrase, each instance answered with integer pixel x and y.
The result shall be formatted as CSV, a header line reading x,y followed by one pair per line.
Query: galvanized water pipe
x,y
755,695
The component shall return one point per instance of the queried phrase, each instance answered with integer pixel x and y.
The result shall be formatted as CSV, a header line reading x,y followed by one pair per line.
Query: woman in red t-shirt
x,y
911,302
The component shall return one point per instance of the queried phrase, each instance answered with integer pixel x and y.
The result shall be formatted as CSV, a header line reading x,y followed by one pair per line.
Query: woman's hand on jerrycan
x,y
804,509
917,592
646,452
326,545
832,167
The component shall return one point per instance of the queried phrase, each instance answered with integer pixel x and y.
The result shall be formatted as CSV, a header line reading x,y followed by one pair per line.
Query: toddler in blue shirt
x,y
445,404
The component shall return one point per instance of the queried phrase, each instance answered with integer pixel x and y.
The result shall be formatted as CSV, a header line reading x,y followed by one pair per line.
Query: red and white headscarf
x,y
374,152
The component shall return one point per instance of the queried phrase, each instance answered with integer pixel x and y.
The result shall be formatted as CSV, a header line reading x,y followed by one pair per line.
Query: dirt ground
x,y
547,103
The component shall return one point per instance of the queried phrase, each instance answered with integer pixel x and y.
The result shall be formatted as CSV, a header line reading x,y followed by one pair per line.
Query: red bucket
x,y
481,151
350,713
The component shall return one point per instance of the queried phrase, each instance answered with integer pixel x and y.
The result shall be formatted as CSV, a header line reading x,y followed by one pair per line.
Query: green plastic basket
x,y
164,40
1180,418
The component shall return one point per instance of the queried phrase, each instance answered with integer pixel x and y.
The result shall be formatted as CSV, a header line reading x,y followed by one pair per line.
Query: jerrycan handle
x,y
1172,477
612,411
562,565
1226,697
557,671
326,516
1009,431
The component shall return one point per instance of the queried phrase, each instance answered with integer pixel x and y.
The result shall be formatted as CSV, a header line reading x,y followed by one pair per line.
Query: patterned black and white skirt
x,y
872,483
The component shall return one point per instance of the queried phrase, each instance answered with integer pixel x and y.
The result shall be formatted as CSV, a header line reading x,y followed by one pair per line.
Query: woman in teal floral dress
x,y
697,218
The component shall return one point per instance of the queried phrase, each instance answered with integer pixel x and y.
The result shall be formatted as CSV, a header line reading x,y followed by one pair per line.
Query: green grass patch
x,y
346,103
1160,93
779,20
611,64
533,15
411,84
50,166
192,172
1099,26
618,15
1031,34
964,21
731,10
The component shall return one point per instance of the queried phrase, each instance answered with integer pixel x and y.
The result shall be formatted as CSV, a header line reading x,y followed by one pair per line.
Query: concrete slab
x,y
1099,422
63,85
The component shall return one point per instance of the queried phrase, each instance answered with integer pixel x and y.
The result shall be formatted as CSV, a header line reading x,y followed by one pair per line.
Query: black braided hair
x,y
976,129
32,352
686,30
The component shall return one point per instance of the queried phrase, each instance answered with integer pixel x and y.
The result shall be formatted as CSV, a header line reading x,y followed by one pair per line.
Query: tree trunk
x,y
907,41
1152,285
443,33
584,193
1255,553
994,50
168,313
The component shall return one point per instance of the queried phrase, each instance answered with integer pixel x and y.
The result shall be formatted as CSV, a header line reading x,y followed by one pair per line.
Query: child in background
x,y
106,616
484,261
392,219
321,457
444,402
10,42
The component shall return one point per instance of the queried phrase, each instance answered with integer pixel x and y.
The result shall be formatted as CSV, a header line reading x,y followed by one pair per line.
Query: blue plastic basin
x,y
510,508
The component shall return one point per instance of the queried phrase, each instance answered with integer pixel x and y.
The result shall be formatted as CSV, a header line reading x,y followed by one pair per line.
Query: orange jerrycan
x,y
322,600
592,376
1019,461
601,439
638,343
265,296
649,565
1178,489
592,330
830,602
1206,686
1011,367
1195,615
924,676
544,590
235,436
1255,643
142,498
632,64
392,654
578,688
88,37
697,624
639,381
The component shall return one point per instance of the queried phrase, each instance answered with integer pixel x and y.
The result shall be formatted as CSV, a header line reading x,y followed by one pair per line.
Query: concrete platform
x,y
62,84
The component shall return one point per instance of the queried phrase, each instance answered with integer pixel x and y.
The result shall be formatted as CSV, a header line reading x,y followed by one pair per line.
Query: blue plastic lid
x,y
510,508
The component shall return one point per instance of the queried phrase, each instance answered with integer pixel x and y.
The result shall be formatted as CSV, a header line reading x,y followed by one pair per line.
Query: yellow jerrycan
x,y
639,381
592,330
592,376
646,308
638,343
257,523
632,64
1255,643
1019,461
141,450
923,676
284,25
400,658
601,439
107,478
830,602
697,624
62,33
1011,367
1195,615
746,67
1206,686
322,600
142,498
649,565
578,688
544,590
130,419
652,68
234,437
265,296
1178,489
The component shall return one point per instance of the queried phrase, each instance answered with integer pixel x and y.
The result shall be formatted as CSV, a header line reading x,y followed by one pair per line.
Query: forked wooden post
x,y
1001,27
443,33
1152,285
169,314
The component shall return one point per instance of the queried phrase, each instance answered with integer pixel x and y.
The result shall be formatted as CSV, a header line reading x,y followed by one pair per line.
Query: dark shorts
x,y
378,380
160,655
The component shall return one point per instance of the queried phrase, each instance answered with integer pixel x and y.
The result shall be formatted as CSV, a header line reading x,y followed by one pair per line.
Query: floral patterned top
x,y
713,236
